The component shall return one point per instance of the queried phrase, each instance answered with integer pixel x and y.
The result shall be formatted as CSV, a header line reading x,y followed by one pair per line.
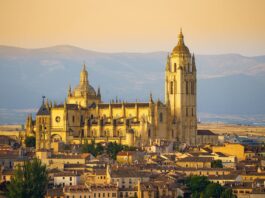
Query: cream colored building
x,y
85,116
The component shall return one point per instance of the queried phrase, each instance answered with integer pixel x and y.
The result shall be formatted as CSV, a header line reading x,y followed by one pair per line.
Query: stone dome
x,y
85,89
181,48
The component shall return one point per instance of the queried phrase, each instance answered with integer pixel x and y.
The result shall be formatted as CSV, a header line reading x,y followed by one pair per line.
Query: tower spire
x,y
180,36
99,94
151,98
84,76
43,100
69,90
84,66
168,63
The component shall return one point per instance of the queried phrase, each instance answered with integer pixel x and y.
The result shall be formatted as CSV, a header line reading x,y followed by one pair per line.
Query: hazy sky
x,y
209,26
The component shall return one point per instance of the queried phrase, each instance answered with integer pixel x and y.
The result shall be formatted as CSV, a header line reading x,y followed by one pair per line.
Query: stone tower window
x,y
175,67
190,68
187,87
187,111
161,117
149,133
171,87
73,118
192,87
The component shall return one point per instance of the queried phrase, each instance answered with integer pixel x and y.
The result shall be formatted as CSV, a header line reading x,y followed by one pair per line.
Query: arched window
x,y
175,67
73,119
192,87
161,117
149,133
171,87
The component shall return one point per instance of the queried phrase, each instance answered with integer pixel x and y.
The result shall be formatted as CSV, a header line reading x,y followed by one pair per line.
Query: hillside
x,y
227,84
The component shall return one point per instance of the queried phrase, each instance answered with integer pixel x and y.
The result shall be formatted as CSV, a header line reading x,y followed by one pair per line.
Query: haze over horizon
x,y
136,26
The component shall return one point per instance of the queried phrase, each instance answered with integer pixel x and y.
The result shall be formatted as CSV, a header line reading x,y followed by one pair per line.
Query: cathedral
x,y
85,117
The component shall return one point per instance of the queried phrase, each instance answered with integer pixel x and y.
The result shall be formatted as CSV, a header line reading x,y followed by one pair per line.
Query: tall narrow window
x,y
187,87
73,118
187,111
175,67
171,87
161,117
149,133
192,87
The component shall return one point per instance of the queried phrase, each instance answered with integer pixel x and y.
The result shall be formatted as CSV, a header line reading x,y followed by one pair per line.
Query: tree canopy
x,y
93,148
217,164
30,141
30,180
112,148
201,187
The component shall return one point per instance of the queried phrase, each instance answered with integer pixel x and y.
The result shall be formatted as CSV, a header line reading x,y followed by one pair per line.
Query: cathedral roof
x,y
43,110
181,48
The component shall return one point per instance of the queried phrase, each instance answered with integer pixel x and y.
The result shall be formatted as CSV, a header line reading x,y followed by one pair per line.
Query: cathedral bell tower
x,y
180,93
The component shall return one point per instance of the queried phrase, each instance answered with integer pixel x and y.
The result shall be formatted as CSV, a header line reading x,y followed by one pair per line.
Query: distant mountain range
x,y
227,84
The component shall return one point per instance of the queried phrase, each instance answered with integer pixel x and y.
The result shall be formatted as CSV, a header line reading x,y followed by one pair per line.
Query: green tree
x,y
99,149
197,184
113,149
217,164
30,141
213,190
93,148
228,193
30,180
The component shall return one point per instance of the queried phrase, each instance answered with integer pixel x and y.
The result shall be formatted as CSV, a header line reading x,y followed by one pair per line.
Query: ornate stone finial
x,y
168,63
181,37
43,99
84,66
99,94
151,98
69,90
65,104
193,63
47,103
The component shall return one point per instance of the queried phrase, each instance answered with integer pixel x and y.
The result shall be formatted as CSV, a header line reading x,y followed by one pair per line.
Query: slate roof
x,y
205,132
43,110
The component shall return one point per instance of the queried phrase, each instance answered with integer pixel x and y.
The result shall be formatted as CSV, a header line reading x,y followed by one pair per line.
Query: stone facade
x,y
84,116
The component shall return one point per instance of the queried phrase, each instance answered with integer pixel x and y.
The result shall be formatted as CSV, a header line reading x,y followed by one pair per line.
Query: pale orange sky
x,y
209,26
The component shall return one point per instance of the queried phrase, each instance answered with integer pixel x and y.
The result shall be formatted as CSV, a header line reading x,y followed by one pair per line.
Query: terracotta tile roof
x,y
196,159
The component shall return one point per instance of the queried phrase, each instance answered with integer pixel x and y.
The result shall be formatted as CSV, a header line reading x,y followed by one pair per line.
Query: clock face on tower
x,y
57,119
